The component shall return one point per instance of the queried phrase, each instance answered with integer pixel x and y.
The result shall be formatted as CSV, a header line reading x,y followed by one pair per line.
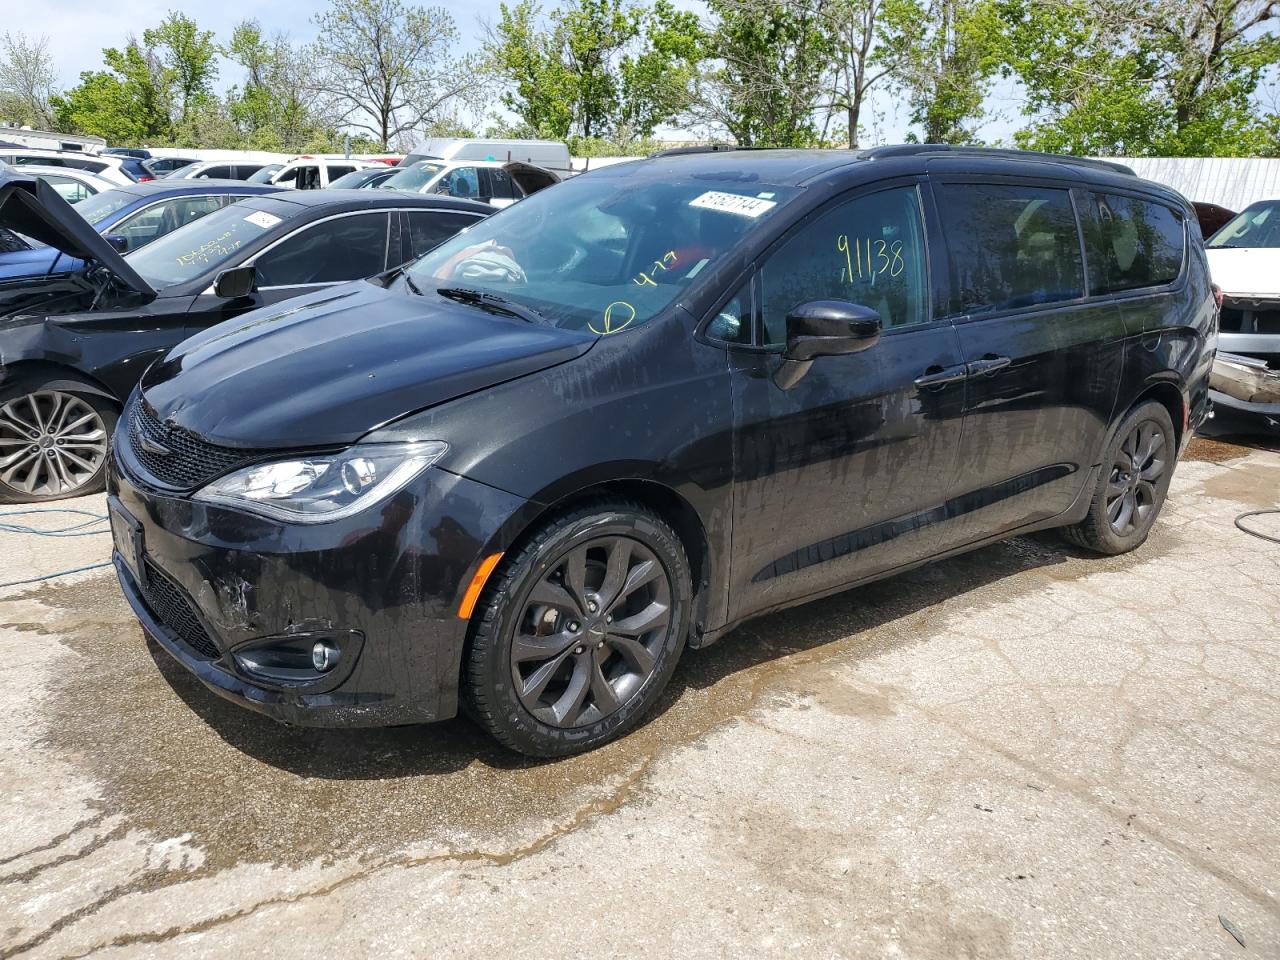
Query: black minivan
x,y
639,407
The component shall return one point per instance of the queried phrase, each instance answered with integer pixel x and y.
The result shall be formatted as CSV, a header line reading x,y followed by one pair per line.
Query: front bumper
x,y
217,581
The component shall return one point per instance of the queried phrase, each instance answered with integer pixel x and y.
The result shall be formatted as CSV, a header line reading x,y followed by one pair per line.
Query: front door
x,y
843,474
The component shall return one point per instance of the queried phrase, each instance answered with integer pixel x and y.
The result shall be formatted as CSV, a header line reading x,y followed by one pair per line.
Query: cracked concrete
x,y
1023,752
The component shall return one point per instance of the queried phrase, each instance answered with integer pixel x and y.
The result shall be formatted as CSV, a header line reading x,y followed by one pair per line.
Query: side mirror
x,y
236,283
118,243
824,328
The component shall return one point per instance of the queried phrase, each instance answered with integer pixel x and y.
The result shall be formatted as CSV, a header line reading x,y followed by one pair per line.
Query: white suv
x,y
315,173
107,167
493,182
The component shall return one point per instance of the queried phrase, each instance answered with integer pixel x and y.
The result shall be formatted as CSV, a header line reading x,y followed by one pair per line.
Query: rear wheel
x,y
53,445
1132,485
579,631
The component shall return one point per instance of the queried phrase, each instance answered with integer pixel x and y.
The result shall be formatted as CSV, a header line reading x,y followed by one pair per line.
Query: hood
x,y
528,177
30,206
1246,271
329,367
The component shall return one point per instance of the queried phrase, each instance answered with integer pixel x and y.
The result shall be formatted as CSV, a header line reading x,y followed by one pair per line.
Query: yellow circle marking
x,y
611,324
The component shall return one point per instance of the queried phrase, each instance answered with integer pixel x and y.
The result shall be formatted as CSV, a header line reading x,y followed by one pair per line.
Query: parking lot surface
x,y
1022,752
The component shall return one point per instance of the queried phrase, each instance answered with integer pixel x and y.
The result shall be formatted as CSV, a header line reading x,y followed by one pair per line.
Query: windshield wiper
x,y
409,282
491,301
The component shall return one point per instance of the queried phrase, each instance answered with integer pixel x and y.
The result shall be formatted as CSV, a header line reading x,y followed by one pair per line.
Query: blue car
x,y
130,217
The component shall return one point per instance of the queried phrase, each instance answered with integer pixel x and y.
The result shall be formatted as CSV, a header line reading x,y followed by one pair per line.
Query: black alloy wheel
x,y
1136,472
578,630
1137,468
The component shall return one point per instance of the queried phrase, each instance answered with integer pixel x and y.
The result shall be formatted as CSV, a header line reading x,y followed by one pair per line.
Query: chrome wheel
x,y
51,444
1132,489
591,631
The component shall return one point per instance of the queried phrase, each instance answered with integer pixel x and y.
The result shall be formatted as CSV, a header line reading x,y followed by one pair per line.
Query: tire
x,y
54,444
1126,501
562,690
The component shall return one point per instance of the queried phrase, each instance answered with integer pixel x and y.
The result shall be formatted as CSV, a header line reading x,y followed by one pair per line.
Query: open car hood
x,y
530,178
28,205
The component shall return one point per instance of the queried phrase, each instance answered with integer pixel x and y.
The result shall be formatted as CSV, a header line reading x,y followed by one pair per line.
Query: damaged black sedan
x,y
637,408
73,345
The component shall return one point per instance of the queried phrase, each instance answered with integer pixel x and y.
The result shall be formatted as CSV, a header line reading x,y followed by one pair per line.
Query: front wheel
x,y
579,631
53,445
1132,485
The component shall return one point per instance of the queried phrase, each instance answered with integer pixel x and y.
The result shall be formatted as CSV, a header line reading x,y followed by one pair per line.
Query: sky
x,y
78,30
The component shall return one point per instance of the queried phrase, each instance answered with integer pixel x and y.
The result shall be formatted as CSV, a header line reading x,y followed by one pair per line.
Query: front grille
x,y
171,607
1240,315
190,461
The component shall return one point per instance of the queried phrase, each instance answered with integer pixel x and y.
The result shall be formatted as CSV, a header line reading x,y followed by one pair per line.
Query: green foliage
x,y
1171,78
766,76
595,68
127,104
27,78
272,110
188,59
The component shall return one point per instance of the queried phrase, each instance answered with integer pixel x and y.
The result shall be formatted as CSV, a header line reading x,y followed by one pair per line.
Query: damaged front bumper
x,y
232,597
1246,371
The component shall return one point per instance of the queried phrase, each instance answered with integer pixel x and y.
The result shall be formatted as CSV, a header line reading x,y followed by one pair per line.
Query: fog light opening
x,y
323,656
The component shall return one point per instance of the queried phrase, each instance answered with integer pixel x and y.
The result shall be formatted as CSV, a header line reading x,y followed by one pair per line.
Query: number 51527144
x,y
869,258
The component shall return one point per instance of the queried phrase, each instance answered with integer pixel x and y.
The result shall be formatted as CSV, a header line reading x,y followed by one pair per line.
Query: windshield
x,y
266,173
602,252
201,246
413,178
1257,225
98,208
356,178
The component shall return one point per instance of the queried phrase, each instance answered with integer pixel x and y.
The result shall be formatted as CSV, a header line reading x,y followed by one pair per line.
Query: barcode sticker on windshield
x,y
260,218
733,203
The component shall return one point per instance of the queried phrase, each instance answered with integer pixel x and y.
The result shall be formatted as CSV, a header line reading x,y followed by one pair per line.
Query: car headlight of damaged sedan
x,y
325,487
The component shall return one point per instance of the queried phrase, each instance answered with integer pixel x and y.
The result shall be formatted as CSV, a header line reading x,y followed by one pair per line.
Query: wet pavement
x,y
1022,752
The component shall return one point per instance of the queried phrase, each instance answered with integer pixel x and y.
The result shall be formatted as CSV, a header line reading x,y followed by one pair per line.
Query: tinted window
x,y
500,186
348,248
165,217
1132,243
336,172
429,229
869,251
215,173
1010,246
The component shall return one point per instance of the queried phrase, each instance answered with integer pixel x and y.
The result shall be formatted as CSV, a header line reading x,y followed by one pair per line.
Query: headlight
x,y
324,488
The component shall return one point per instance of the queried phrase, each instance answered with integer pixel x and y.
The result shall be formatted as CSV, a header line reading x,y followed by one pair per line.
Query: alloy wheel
x,y
591,631
51,443
1132,489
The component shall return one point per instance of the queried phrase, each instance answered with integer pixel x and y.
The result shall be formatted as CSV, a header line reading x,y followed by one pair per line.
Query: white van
x,y
547,154
316,173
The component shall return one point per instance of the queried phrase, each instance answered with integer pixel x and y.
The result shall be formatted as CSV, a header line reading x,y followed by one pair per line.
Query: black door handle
x,y
987,365
936,377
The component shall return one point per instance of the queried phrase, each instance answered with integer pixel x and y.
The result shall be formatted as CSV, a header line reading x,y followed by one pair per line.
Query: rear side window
x,y
430,228
869,251
1010,246
345,248
500,186
1132,243
215,173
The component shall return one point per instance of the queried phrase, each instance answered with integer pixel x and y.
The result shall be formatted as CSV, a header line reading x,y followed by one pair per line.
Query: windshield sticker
x,y
733,203
617,316
647,276
260,218
697,268
216,247
869,258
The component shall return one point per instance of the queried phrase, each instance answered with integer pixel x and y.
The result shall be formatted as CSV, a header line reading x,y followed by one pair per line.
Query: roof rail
x,y
915,149
707,148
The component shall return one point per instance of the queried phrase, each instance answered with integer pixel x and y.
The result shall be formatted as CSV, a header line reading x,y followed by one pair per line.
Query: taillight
x,y
1217,296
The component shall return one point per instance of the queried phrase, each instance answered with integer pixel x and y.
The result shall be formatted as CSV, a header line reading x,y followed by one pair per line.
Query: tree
x,y
958,49
273,108
873,42
188,57
126,104
765,72
595,68
1167,78
386,67
27,79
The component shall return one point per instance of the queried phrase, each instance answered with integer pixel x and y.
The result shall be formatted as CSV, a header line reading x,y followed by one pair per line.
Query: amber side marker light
x,y
468,605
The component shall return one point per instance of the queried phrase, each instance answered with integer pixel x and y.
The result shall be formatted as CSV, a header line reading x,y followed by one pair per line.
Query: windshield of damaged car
x,y
97,208
412,178
603,252
201,246
1257,225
